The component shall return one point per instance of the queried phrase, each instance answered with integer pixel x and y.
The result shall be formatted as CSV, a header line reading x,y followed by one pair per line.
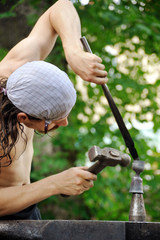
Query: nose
x,y
63,122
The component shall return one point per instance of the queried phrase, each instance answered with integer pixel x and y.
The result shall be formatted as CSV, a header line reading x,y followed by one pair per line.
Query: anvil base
x,y
78,230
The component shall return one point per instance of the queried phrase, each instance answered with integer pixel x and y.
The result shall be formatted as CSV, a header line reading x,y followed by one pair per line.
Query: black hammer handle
x,y
124,131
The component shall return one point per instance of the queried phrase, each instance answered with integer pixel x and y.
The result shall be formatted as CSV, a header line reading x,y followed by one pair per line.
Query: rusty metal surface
x,y
137,208
78,230
136,185
61,230
142,231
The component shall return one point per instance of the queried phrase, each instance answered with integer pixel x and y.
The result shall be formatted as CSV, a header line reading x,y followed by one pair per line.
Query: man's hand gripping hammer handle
x,y
105,157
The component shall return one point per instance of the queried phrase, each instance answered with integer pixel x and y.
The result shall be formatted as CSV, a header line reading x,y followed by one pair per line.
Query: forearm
x,y
73,181
65,21
17,198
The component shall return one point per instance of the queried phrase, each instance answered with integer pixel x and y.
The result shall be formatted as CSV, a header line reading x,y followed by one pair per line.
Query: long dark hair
x,y
9,126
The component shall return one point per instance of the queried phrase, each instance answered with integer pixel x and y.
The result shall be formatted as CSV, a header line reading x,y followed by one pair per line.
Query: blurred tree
x,y
126,34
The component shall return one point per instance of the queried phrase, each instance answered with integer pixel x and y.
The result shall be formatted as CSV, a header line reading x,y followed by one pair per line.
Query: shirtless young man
x,y
17,195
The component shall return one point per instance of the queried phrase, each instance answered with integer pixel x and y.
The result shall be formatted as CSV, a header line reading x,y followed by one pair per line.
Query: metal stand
x,y
137,208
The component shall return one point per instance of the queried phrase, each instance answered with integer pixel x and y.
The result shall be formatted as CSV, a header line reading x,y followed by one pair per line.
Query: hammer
x,y
106,157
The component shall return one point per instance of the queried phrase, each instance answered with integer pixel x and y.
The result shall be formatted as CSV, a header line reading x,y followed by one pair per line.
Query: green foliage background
x,y
126,35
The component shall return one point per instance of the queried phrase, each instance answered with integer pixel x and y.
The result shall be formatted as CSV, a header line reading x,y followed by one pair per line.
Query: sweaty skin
x,y
16,191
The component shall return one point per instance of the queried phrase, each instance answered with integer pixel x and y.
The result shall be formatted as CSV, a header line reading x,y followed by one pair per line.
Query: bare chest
x,y
18,172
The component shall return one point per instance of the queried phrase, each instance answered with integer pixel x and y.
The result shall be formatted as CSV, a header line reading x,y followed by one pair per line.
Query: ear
x,y
22,117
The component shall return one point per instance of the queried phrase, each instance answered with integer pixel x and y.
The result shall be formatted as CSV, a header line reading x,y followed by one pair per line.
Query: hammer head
x,y
108,156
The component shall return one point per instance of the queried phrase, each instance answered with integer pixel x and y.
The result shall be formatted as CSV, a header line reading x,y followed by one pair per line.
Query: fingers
x,y
86,175
99,80
96,71
98,59
85,185
83,167
99,71
87,65
75,181
100,66
96,79
88,184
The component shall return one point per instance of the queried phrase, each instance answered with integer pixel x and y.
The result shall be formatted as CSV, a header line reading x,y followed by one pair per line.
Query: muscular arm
x,y
60,19
36,46
70,182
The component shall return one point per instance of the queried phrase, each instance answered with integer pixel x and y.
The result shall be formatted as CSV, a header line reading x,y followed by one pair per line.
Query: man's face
x,y
40,125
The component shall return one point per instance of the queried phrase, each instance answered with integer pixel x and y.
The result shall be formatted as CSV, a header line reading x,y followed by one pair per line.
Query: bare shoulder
x,y
23,143
18,172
